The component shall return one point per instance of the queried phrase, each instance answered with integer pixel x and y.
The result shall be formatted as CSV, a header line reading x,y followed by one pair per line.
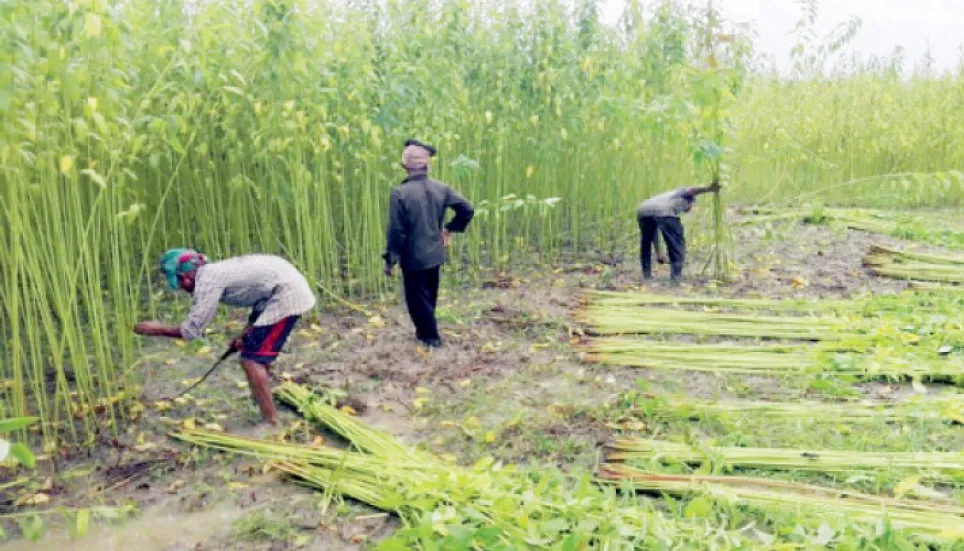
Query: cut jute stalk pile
x,y
762,360
948,466
612,320
492,505
940,521
610,299
884,261
893,337
710,358
931,408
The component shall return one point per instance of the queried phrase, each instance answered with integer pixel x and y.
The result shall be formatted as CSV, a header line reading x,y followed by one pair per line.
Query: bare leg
x,y
260,385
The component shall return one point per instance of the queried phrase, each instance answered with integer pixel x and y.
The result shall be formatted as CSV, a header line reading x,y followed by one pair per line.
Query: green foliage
x,y
16,450
128,127
262,525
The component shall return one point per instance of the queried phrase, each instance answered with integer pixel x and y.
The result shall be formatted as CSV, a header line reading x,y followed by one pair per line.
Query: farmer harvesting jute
x,y
662,213
275,291
417,238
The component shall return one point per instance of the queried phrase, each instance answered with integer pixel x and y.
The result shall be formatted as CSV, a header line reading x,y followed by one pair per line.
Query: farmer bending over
x,y
662,212
274,290
417,239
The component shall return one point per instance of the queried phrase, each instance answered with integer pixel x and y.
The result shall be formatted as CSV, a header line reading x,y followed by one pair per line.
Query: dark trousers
x,y
421,295
672,230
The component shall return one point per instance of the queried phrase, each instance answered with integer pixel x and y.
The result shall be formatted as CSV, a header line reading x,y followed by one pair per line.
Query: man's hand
x,y
715,187
389,270
661,259
150,328
446,238
237,344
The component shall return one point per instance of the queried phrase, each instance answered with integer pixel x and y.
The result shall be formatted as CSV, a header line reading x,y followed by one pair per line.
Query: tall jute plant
x,y
717,77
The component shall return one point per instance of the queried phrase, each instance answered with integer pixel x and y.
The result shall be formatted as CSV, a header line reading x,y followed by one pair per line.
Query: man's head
x,y
180,267
416,156
689,202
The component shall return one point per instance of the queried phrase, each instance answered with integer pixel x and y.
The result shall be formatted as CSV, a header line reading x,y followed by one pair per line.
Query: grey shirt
x,y
268,284
671,203
415,218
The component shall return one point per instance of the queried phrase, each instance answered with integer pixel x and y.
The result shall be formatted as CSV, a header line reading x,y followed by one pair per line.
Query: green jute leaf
x,y
16,423
23,454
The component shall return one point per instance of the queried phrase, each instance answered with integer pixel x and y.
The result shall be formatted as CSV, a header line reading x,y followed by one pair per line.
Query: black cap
x,y
431,149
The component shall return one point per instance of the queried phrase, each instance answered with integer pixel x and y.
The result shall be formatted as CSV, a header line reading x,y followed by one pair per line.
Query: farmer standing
x,y
275,291
662,212
417,239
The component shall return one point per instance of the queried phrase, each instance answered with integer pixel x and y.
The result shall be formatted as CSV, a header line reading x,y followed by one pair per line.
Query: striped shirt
x,y
269,285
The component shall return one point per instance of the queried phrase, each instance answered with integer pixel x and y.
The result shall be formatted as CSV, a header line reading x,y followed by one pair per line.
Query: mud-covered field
x,y
507,384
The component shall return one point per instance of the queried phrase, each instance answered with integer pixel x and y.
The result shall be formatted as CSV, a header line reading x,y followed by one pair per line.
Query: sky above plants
x,y
916,25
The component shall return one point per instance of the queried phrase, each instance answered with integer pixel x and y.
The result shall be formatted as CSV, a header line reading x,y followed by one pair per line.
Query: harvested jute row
x,y
488,497
944,268
937,521
945,408
947,466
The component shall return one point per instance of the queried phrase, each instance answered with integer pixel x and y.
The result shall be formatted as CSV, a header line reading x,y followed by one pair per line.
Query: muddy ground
x,y
507,384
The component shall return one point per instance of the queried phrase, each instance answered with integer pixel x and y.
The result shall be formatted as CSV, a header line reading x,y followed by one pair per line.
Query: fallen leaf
x,y
633,425
189,424
422,390
906,486
419,402
317,441
465,383
237,486
348,410
34,500
489,437
213,427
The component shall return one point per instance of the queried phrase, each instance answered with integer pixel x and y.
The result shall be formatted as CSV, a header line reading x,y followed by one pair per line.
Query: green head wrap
x,y
180,261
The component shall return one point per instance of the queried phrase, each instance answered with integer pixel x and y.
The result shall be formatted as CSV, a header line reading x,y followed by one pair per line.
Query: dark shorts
x,y
263,343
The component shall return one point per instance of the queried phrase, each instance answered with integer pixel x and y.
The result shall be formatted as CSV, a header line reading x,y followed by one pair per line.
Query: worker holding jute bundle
x,y
662,213
417,238
275,291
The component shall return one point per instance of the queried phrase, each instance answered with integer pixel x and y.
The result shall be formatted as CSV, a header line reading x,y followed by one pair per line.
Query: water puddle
x,y
160,528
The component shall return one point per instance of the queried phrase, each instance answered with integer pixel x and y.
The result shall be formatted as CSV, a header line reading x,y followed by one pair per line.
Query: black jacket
x,y
415,218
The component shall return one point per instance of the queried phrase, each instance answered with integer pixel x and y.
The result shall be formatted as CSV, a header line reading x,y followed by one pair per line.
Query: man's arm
x,y
463,211
660,259
395,235
157,329
207,295
694,191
